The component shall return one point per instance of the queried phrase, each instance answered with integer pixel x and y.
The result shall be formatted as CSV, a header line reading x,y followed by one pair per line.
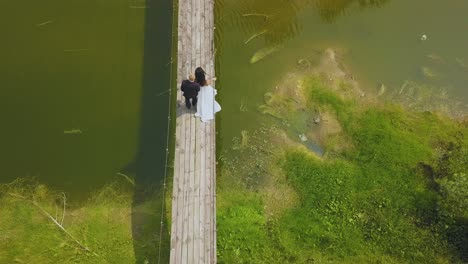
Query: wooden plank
x,y
200,136
209,145
208,222
213,194
182,183
196,35
207,196
206,40
198,29
176,220
175,195
213,131
201,40
186,174
202,220
183,55
204,216
196,222
196,63
176,187
190,242
186,192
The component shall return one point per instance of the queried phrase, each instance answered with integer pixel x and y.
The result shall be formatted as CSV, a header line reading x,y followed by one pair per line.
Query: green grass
x,y
342,219
243,235
397,195
102,224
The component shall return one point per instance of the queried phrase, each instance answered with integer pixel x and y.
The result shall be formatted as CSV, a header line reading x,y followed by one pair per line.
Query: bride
x,y
206,106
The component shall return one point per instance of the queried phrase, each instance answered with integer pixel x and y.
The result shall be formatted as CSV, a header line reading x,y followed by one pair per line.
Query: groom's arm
x,y
182,86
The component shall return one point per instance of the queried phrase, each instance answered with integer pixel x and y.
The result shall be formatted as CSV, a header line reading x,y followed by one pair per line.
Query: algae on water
x,y
429,73
73,131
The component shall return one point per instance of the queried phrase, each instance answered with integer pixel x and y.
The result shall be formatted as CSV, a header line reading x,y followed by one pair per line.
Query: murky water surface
x,y
82,87
381,42
83,82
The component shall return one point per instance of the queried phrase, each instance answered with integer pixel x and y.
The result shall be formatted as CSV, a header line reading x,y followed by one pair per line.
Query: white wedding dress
x,y
207,106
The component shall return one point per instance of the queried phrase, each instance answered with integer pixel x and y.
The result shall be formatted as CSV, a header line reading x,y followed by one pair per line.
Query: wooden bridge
x,y
193,230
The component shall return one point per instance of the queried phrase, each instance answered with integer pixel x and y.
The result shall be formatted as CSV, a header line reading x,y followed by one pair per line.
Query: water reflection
x,y
276,21
330,10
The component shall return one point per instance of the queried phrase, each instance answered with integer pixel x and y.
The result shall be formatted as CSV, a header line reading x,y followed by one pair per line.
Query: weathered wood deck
x,y
193,230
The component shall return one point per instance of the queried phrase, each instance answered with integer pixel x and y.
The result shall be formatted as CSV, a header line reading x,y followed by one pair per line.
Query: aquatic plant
x,y
429,73
420,97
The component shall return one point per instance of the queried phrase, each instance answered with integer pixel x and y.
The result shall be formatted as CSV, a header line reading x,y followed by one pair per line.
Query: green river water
x,y
84,91
83,82
378,41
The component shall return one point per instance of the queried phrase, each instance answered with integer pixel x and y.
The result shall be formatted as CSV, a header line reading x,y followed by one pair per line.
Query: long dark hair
x,y
200,76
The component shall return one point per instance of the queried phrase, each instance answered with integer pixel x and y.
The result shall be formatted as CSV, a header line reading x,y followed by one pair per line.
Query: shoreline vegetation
x,y
342,176
39,225
334,175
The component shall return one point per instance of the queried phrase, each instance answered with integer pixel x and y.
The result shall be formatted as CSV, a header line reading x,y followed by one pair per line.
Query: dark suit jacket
x,y
189,88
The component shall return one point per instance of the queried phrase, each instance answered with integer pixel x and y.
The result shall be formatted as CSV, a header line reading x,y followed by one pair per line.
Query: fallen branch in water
x,y
74,50
255,14
255,35
126,177
73,131
44,23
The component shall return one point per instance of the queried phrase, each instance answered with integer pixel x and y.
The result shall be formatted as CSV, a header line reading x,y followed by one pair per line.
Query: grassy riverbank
x,y
115,225
391,186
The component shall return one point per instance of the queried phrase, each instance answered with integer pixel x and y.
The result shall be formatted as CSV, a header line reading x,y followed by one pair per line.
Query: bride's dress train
x,y
207,106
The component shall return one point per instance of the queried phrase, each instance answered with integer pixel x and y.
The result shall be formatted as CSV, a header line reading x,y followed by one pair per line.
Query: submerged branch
x,y
256,14
255,35
126,177
44,23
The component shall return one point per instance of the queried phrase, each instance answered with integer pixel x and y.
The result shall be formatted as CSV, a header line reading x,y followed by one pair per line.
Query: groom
x,y
190,89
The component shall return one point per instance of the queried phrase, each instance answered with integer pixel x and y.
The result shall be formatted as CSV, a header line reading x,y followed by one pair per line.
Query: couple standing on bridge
x,y
197,86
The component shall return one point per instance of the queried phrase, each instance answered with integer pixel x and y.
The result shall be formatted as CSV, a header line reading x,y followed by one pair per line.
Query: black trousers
x,y
194,101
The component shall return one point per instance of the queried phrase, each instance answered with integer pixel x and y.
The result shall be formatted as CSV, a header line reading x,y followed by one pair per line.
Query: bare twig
x,y
126,177
255,35
44,23
74,50
159,94
256,14
55,222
